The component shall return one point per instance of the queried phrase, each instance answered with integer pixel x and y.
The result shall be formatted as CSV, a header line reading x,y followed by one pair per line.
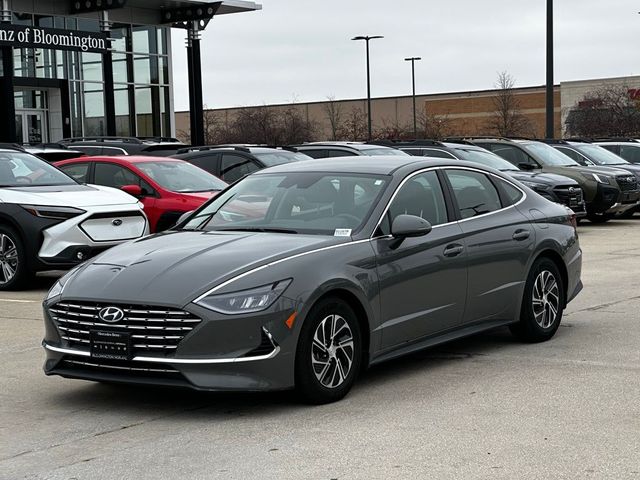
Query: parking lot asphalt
x,y
484,407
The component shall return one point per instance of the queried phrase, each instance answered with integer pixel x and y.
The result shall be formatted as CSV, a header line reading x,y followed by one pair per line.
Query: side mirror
x,y
134,190
526,166
183,217
405,226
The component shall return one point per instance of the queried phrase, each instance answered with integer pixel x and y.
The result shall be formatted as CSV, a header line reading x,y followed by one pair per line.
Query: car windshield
x,y
271,159
19,169
181,177
549,156
600,156
486,158
383,151
310,203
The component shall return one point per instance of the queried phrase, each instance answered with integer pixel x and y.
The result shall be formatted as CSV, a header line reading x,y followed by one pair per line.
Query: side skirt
x,y
438,339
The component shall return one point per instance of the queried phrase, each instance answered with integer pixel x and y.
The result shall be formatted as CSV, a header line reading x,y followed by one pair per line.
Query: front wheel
x,y
14,271
329,353
542,303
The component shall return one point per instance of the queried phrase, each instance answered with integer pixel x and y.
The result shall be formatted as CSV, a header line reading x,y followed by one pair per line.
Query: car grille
x,y
627,183
153,329
570,196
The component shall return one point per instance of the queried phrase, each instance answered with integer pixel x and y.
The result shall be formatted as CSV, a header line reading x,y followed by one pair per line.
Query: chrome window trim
x,y
185,361
454,167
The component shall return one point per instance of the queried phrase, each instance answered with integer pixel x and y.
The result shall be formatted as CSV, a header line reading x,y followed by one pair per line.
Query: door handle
x,y
521,235
453,250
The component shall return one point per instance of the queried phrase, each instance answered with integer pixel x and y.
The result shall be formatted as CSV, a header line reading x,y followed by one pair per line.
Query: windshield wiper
x,y
255,229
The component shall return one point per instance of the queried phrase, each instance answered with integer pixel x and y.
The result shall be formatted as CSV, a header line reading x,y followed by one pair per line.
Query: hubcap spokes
x,y
546,299
332,351
8,259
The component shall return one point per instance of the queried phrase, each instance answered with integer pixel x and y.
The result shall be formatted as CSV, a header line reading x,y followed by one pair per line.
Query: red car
x,y
167,187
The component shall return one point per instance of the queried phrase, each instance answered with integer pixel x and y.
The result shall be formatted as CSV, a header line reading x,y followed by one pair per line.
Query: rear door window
x,y
434,152
512,154
474,193
209,162
234,167
78,171
316,152
341,153
630,153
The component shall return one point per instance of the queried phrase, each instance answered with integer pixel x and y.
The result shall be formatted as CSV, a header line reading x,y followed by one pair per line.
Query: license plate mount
x,y
110,345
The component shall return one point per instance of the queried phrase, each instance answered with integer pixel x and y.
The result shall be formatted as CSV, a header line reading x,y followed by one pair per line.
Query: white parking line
x,y
13,300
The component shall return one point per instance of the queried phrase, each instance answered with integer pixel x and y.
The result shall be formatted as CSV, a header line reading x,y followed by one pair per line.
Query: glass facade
x,y
140,74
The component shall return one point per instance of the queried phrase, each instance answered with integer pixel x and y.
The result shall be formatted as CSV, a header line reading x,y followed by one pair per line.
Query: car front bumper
x,y
75,240
222,353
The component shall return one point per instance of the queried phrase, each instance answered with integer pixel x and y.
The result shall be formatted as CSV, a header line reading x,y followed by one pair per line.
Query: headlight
x,y
55,291
536,186
598,178
58,287
245,301
58,213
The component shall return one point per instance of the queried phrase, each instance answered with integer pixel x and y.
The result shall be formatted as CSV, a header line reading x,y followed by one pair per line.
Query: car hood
x,y
541,177
599,170
199,196
67,196
173,268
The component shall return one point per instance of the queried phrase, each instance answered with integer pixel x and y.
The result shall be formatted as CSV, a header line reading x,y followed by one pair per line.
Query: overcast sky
x,y
301,50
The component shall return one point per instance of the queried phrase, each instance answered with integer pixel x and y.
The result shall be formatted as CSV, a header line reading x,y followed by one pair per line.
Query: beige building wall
x,y
465,113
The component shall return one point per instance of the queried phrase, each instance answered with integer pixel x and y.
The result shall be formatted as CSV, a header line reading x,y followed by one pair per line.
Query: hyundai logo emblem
x,y
111,314
117,222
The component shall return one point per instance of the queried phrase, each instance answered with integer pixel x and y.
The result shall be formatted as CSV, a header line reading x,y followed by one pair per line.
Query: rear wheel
x,y
329,353
14,271
542,303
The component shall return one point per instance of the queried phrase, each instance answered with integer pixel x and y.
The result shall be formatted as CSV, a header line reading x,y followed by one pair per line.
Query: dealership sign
x,y
22,36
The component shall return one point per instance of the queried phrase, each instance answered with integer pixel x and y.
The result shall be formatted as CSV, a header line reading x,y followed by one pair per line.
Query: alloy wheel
x,y
8,259
546,299
332,351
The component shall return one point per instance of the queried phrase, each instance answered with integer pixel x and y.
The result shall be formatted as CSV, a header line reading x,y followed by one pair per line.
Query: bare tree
x,y
507,119
433,126
392,129
354,127
611,110
334,113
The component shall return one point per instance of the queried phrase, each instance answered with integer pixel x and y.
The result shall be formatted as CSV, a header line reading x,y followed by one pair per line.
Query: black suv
x,y
344,149
607,191
119,146
232,162
557,188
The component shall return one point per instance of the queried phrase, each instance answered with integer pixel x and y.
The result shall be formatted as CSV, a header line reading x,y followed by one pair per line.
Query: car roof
x,y
347,145
375,164
124,159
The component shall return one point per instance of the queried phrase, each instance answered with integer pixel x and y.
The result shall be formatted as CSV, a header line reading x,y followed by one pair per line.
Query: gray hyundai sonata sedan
x,y
302,275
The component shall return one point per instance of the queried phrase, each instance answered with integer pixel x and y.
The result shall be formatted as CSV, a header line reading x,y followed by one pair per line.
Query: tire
x,y
536,323
318,378
14,268
598,217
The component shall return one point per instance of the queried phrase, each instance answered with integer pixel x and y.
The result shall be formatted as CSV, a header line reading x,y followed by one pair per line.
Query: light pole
x,y
366,38
550,130
413,61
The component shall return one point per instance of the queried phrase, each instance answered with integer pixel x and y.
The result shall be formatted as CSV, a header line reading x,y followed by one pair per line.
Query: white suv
x,y
48,221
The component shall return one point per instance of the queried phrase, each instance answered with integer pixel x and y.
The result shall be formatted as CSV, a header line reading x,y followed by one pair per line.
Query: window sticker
x,y
342,232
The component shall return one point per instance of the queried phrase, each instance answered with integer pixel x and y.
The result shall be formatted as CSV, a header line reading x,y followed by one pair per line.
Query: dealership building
x,y
97,67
